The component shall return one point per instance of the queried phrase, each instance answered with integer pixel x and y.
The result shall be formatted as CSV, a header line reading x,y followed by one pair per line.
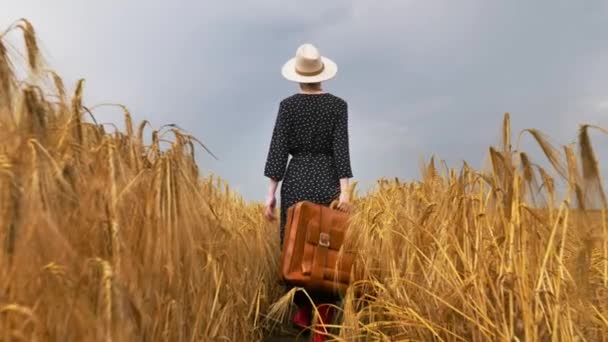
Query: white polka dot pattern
x,y
313,129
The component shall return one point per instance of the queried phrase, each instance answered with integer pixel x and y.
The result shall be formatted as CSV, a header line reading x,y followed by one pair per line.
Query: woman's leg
x,y
303,316
325,310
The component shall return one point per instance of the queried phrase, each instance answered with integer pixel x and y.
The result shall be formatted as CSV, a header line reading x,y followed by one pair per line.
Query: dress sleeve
x,y
340,144
276,160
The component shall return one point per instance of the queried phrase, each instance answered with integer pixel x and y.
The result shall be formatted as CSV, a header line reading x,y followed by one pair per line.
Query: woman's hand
x,y
344,201
271,202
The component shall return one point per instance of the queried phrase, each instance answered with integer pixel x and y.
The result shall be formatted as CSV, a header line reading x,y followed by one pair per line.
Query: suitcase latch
x,y
324,240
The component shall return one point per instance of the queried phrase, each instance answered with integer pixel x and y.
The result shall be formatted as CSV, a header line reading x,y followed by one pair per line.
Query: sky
x,y
421,77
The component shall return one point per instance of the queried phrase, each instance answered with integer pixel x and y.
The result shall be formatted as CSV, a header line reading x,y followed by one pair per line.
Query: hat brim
x,y
330,69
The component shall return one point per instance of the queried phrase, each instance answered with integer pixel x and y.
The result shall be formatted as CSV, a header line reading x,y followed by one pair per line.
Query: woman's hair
x,y
310,86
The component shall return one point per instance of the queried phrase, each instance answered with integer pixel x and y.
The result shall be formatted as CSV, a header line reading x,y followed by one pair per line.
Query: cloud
x,y
421,77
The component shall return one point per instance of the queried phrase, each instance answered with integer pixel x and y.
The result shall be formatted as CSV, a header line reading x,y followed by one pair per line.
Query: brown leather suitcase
x,y
313,255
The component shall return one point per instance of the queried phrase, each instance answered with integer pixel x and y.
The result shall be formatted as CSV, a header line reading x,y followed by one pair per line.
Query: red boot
x,y
302,317
325,316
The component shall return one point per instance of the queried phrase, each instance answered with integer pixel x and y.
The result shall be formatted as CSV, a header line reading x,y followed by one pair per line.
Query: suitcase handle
x,y
334,204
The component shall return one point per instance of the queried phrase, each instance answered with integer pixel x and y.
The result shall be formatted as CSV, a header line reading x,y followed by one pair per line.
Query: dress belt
x,y
311,153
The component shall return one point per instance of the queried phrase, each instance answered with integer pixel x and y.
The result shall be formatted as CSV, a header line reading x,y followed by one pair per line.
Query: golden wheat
x,y
107,238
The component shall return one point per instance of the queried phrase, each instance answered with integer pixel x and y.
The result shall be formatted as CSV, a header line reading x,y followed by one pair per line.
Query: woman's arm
x,y
278,151
271,200
341,145
276,161
272,188
343,185
342,156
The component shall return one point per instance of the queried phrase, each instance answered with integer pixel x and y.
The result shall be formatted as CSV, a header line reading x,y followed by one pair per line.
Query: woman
x,y
312,127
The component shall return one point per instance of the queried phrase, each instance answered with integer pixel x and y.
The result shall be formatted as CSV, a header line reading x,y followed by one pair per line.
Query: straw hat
x,y
308,66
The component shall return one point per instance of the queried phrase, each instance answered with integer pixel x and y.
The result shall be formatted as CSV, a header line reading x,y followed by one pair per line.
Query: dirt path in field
x,y
278,337
284,334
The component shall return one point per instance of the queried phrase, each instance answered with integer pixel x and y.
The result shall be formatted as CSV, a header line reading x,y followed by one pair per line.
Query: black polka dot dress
x,y
313,129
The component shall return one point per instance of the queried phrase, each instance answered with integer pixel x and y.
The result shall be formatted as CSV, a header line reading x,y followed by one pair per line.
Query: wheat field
x,y
108,238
